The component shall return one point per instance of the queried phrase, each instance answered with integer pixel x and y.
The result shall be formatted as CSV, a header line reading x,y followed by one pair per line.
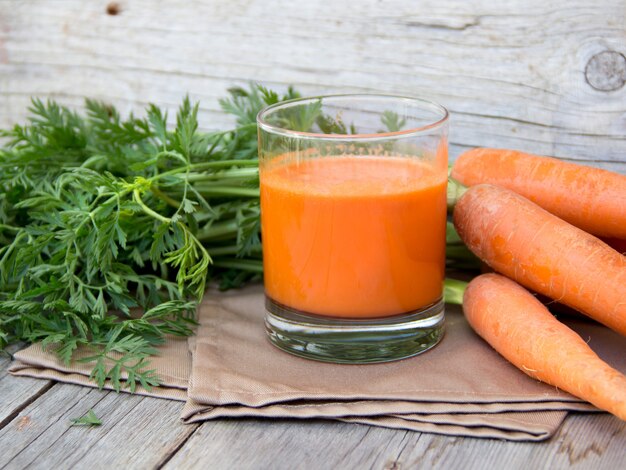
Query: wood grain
x,y
136,432
289,444
543,77
142,432
16,394
584,442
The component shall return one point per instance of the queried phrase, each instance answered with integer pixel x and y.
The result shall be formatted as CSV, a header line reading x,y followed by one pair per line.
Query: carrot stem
x,y
455,191
453,290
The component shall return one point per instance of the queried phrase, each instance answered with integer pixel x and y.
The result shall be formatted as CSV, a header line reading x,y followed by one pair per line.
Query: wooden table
x,y
542,76
545,77
142,432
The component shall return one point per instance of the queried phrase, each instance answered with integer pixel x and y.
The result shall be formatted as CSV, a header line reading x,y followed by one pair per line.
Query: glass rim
x,y
266,126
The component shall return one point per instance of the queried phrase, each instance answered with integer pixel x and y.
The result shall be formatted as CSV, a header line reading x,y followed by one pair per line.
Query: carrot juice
x,y
353,236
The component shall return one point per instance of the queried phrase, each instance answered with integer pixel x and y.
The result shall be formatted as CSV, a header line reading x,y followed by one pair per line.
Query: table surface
x,y
546,77
143,432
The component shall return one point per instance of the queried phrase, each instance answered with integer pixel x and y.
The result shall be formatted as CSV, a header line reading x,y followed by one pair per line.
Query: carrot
x,y
544,253
522,330
589,198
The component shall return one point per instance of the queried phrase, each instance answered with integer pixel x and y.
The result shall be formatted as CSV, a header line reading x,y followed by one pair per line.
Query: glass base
x,y
353,341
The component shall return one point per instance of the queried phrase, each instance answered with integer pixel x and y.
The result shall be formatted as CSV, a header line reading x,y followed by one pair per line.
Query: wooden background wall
x,y
542,76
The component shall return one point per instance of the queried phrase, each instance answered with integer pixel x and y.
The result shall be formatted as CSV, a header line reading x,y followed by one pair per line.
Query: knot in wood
x,y
606,71
113,9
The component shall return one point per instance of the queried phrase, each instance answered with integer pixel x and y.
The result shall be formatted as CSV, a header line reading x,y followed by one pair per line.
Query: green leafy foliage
x,y
111,227
90,419
392,121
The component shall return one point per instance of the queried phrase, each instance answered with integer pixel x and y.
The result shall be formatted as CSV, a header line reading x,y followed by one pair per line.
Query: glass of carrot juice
x,y
353,217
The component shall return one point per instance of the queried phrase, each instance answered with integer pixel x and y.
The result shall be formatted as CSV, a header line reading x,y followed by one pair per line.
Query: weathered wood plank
x,y
15,393
291,444
599,442
6,356
545,77
585,442
39,417
136,432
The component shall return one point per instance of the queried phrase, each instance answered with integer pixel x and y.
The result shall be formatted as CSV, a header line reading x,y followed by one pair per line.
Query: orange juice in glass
x,y
353,214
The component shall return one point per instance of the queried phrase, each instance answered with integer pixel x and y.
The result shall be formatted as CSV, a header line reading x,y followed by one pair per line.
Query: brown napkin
x,y
461,387
173,365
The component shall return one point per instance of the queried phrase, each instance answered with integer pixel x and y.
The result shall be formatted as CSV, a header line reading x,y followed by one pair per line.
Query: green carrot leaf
x,y
89,419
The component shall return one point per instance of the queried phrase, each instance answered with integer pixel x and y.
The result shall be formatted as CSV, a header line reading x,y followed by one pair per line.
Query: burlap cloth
x,y
461,387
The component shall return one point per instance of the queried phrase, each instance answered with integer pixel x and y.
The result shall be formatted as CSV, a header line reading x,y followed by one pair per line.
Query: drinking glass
x,y
353,216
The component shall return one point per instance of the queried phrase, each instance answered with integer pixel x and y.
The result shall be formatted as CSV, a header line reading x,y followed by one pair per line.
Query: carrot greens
x,y
110,227
89,419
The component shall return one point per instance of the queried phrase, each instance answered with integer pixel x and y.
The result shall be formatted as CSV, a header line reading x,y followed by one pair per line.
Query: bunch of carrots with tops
x,y
557,229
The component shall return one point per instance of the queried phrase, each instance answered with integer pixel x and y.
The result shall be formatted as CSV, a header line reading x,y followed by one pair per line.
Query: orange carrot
x,y
544,253
522,330
589,198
